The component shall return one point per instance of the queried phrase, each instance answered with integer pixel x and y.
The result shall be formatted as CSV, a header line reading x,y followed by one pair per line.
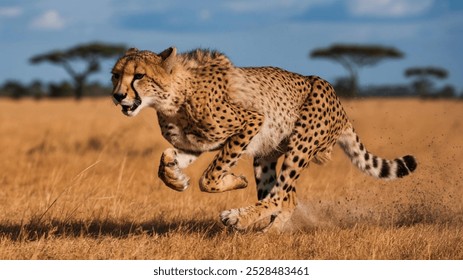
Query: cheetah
x,y
205,103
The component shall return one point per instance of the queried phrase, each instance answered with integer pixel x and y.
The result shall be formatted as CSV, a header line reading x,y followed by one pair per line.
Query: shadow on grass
x,y
308,216
56,228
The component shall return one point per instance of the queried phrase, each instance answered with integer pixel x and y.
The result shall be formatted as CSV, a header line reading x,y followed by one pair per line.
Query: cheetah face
x,y
142,79
129,99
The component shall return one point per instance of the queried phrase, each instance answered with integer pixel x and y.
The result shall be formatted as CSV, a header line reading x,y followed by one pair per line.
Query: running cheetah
x,y
205,103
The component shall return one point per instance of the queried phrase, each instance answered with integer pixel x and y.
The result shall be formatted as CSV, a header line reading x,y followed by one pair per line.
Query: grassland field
x,y
78,180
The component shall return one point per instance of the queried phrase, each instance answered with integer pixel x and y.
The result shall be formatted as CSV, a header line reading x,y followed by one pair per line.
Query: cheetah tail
x,y
371,164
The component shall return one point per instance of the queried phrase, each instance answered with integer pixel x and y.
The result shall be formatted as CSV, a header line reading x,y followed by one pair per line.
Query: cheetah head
x,y
143,79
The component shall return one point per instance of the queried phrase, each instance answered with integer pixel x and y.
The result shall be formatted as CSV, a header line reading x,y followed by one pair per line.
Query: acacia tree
x,y
91,54
352,57
423,78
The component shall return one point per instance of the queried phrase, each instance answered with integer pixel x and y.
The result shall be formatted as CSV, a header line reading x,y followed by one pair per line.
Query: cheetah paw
x,y
231,219
233,182
170,173
227,183
244,218
248,218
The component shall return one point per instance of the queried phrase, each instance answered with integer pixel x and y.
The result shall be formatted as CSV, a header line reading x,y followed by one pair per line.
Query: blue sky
x,y
251,32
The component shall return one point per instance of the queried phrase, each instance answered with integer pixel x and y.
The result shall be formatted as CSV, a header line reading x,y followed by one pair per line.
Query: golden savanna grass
x,y
78,181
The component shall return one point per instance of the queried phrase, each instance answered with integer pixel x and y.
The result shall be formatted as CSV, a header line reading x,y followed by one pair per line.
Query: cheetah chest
x,y
184,136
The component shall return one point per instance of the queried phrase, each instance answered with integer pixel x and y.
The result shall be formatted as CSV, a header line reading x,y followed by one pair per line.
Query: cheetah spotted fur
x,y
205,103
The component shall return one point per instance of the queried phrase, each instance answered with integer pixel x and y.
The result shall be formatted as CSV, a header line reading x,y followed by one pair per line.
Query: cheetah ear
x,y
131,51
168,57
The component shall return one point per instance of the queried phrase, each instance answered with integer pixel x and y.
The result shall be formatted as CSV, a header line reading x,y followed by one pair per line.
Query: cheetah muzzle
x,y
127,107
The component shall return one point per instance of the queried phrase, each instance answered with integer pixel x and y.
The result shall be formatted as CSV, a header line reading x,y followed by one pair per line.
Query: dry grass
x,y
79,181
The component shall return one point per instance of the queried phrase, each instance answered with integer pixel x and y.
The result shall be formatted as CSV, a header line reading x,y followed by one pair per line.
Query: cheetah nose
x,y
119,96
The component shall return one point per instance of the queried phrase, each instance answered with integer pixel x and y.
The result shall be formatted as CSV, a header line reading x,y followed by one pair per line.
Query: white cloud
x,y
388,8
10,11
49,20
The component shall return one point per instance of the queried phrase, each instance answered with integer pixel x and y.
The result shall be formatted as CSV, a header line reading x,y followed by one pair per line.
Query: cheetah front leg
x,y
218,176
170,168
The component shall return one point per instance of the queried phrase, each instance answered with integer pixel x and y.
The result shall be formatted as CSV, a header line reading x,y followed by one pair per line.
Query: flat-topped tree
x,y
91,54
423,78
352,57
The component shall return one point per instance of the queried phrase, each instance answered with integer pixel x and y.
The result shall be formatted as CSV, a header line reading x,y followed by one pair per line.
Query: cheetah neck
x,y
187,82
194,72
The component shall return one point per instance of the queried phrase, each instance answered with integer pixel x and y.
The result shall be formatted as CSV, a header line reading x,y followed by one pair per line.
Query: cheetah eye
x,y
138,76
116,76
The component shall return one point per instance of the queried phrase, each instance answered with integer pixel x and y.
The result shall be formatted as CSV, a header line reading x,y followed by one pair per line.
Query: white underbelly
x,y
269,138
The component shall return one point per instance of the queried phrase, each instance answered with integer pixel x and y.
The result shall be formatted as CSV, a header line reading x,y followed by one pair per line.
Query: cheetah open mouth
x,y
127,109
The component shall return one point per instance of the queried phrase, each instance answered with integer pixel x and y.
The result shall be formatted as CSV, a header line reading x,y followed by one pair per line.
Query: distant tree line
x,y
37,89
352,57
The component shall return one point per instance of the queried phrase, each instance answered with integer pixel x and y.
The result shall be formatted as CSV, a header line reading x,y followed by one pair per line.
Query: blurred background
x,y
53,48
